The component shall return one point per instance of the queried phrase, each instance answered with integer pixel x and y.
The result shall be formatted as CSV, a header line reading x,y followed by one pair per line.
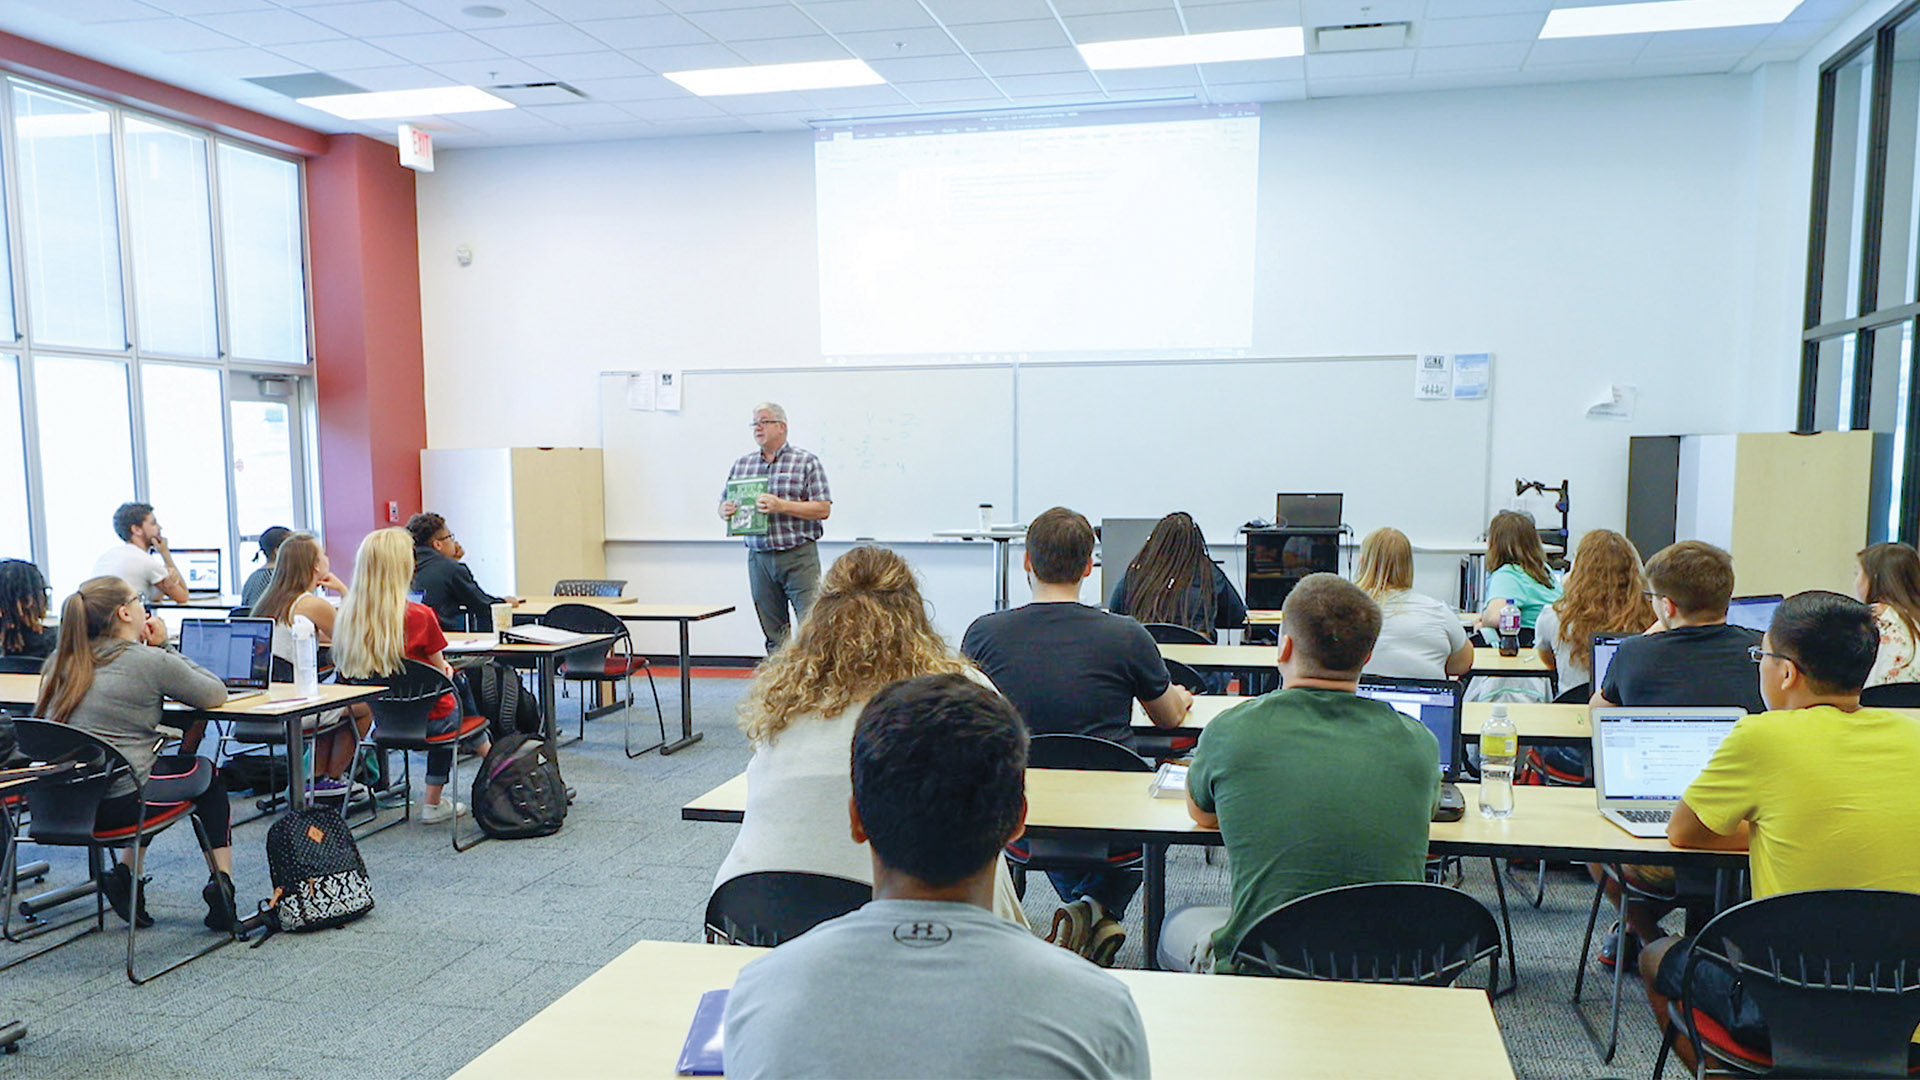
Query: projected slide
x,y
1094,234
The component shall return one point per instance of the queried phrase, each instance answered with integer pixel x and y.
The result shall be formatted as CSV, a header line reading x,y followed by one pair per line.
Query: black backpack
x,y
519,792
504,701
319,880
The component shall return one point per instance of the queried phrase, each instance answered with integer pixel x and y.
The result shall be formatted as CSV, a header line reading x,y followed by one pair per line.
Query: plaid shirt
x,y
792,474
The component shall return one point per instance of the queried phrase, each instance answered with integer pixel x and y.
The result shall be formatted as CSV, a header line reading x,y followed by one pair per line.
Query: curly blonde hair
x,y
1605,593
867,627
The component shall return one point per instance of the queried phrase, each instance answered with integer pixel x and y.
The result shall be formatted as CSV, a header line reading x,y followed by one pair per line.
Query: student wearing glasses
x,y
783,566
444,583
23,611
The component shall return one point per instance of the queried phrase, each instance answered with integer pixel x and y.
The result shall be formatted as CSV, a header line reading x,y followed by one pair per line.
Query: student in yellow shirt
x,y
1817,790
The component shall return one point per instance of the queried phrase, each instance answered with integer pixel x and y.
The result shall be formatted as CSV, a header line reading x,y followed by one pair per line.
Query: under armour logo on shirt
x,y
922,935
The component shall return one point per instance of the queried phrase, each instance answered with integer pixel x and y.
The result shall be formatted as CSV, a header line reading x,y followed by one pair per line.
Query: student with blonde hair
x,y
868,627
1420,637
1605,593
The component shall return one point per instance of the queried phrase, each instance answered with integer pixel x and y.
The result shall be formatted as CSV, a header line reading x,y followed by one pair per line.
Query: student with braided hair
x,y
23,611
1174,580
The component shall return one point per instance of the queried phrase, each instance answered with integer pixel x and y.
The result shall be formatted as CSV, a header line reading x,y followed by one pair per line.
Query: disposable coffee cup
x,y
986,516
502,617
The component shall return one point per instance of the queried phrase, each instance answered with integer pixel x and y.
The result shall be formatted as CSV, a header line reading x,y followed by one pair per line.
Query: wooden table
x,y
629,1019
1270,617
1560,725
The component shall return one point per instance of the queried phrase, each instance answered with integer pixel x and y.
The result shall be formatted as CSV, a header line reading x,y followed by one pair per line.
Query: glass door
x,y
269,470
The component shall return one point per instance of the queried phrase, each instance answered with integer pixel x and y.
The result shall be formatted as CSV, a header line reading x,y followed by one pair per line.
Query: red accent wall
x,y
366,311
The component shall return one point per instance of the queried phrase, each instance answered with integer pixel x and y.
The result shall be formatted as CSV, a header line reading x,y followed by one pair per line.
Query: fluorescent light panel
x,y
1663,15
775,78
388,104
1265,44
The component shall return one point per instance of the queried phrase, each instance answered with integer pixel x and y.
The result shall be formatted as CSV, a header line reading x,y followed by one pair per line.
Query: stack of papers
x,y
480,644
1170,782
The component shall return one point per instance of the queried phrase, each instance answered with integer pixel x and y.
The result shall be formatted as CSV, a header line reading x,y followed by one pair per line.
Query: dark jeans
x,y
440,761
779,579
1113,888
176,778
1716,992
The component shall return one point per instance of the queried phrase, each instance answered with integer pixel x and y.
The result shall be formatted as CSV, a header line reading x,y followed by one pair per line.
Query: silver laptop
x,y
1644,758
1604,646
238,651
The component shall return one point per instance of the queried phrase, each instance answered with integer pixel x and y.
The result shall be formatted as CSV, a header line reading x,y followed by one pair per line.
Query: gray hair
x,y
779,413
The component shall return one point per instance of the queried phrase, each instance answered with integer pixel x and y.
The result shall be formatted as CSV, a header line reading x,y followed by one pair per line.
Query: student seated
x,y
142,558
1073,669
1517,570
1174,580
1605,593
377,628
1420,637
1887,579
1311,787
1772,790
256,584
108,677
924,980
302,568
23,611
867,627
444,583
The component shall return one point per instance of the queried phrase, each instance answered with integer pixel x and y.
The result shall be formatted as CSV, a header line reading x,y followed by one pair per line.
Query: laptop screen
x,y
1307,511
200,567
1752,612
239,651
1433,702
1604,646
1654,755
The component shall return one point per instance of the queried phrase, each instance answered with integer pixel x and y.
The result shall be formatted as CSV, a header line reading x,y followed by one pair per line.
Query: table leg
x,y
11,1033
296,763
1156,883
549,669
1000,556
688,736
1506,925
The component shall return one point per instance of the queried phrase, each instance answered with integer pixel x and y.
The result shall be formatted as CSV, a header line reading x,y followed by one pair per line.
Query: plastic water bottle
x,y
306,657
1499,747
1509,629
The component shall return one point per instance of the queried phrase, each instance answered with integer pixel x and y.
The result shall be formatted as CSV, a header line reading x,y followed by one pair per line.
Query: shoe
x,y
441,812
1619,941
1103,944
1073,925
327,787
221,913
117,885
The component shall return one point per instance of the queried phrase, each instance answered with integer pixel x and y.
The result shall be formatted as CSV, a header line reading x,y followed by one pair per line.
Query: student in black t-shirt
x,y
1691,659
1073,669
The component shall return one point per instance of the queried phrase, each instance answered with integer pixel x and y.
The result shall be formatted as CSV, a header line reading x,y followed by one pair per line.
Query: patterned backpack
x,y
319,880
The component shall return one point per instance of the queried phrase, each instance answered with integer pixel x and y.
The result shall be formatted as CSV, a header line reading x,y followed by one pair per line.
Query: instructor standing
x,y
783,566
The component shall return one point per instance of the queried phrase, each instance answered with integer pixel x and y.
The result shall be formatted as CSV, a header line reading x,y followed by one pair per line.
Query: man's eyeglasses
x,y
446,537
764,423
1755,652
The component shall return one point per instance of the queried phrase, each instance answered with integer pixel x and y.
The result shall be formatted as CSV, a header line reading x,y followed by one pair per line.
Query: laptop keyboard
x,y
1647,817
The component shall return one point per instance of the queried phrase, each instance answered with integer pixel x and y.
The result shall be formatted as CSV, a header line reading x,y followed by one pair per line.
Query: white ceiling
x,y
938,56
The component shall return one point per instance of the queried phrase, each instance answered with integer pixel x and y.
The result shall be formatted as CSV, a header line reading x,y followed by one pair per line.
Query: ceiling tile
x,y
242,63
577,10
1030,61
1613,48
586,112
638,88
668,110
1326,88
794,50
1026,86
959,12
1349,12
505,120
381,17
1184,77
692,128
1481,30
1504,56
1234,93
1732,39
453,13
399,77
601,64
949,90
1466,9
994,37
1359,64
852,16
496,72
170,35
93,11
1124,26
339,55
687,57
1070,8
551,39
756,23
1253,16
1240,71
269,27
894,44
855,97
436,48
646,32
207,7
926,68
1802,35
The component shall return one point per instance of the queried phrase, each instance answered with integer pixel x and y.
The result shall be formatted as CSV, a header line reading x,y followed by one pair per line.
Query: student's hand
x,y
154,632
729,508
459,551
516,601
333,585
770,504
1185,698
160,544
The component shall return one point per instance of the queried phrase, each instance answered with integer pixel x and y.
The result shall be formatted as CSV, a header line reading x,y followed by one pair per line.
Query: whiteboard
x,y
907,450
1218,439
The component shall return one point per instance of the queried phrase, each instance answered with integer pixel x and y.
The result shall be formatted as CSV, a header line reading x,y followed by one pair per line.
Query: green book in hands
x,y
746,519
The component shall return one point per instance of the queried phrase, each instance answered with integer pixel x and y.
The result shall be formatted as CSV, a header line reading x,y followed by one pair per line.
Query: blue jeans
x,y
1113,888
780,578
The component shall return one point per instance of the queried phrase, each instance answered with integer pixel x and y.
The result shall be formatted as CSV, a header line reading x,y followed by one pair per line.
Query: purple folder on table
x,y
701,1056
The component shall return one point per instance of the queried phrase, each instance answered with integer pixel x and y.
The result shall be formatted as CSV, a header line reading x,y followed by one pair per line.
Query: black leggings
x,y
176,778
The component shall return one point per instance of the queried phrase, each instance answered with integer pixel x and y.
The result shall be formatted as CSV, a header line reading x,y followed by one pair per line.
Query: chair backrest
x,y
588,619
62,810
1835,973
589,586
1186,676
1084,752
1904,695
1575,695
400,712
1167,633
241,612
1388,932
773,906
20,665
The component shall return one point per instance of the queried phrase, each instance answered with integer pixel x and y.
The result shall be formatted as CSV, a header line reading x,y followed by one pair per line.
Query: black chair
x,y
244,611
773,906
614,661
20,665
1834,972
1083,753
1175,634
400,723
589,586
1904,695
1185,676
1405,932
1577,695
61,813
1694,889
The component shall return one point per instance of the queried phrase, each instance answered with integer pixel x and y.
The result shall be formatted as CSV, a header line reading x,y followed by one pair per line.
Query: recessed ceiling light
x,y
1663,15
386,104
483,11
1267,44
773,78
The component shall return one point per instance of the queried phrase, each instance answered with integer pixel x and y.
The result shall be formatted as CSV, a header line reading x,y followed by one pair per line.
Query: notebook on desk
x,y
1644,758
1435,703
238,651
536,634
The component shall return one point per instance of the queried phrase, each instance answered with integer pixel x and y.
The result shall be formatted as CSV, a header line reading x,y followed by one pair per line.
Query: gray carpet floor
x,y
462,948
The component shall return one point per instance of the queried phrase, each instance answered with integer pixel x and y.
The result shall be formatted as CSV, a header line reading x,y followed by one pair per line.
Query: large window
x,y
163,282
1863,270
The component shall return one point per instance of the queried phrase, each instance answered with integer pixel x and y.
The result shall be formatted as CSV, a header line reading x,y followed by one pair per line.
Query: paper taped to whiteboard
x,y
1472,373
640,396
1432,377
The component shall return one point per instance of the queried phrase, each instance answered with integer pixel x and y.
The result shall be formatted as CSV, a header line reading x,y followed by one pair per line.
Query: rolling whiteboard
x,y
908,451
912,450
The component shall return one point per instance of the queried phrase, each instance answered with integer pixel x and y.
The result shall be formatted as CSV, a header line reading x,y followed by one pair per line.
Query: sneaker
x,y
327,787
117,885
1103,944
221,913
1620,944
444,810
1072,925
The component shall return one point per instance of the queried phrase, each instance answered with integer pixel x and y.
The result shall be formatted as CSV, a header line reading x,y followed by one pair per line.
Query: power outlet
x,y
393,512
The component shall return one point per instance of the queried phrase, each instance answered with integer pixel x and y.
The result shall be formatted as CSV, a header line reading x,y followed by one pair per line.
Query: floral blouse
x,y
1895,663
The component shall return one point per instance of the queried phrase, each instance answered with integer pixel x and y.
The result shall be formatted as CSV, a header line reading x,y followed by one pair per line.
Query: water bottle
x,y
306,657
1509,629
1499,746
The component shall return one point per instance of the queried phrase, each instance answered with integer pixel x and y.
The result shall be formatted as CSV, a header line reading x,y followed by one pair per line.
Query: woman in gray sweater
x,y
108,676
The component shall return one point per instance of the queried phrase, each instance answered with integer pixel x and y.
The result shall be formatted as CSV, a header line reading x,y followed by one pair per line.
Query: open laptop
x,y
239,651
1319,510
1436,704
1604,646
1644,758
1752,612
200,568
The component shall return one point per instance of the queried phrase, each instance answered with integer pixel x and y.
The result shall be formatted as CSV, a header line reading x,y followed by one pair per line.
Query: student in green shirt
x,y
1517,570
1311,787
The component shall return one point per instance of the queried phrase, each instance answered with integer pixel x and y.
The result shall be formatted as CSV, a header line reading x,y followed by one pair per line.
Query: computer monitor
x,y
1753,612
1433,702
1294,510
200,568
1604,646
239,651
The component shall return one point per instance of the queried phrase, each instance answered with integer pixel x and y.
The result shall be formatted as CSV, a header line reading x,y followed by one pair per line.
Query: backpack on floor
x,y
504,701
519,792
319,880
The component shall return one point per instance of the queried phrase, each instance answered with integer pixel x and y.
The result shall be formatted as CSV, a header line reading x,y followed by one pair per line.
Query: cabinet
x,y
527,516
